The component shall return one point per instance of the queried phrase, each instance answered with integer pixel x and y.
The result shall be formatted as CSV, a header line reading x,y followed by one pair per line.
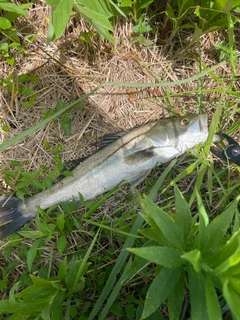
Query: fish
x,y
123,157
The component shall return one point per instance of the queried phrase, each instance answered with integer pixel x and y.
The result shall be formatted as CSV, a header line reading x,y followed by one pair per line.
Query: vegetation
x,y
159,253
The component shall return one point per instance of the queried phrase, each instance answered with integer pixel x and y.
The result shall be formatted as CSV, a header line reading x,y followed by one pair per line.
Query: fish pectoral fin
x,y
111,137
139,156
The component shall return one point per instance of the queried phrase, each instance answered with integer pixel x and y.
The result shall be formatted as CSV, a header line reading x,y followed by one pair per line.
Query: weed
x,y
190,253
211,16
10,40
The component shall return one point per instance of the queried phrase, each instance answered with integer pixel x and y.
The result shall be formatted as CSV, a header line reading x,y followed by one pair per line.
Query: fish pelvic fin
x,y
11,217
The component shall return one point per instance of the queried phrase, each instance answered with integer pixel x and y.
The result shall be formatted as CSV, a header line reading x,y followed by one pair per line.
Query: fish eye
x,y
184,121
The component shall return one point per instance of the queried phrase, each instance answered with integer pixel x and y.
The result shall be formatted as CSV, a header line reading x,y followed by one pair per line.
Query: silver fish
x,y
127,158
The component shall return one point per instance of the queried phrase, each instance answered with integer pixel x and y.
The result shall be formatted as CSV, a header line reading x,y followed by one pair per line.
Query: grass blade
x,y
115,292
206,150
164,84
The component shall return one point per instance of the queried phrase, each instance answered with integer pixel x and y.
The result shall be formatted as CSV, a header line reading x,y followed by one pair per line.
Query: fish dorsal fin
x,y
111,137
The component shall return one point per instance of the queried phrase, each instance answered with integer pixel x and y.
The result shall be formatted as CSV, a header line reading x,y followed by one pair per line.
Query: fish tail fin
x,y
11,217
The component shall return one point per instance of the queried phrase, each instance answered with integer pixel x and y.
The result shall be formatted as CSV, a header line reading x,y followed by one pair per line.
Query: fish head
x,y
180,134
188,131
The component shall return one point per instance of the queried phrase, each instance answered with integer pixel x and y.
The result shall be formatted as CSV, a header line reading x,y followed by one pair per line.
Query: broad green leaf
x,y
18,307
21,185
223,257
115,8
36,184
236,226
99,6
15,163
8,6
232,298
5,306
32,234
71,274
197,295
5,23
61,10
164,222
218,227
50,32
183,214
20,194
66,126
3,281
194,257
103,31
175,299
62,270
231,261
61,221
164,256
144,4
40,292
98,20
227,5
32,252
125,3
213,307
160,289
31,300
61,244
203,234
234,278
46,312
153,233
